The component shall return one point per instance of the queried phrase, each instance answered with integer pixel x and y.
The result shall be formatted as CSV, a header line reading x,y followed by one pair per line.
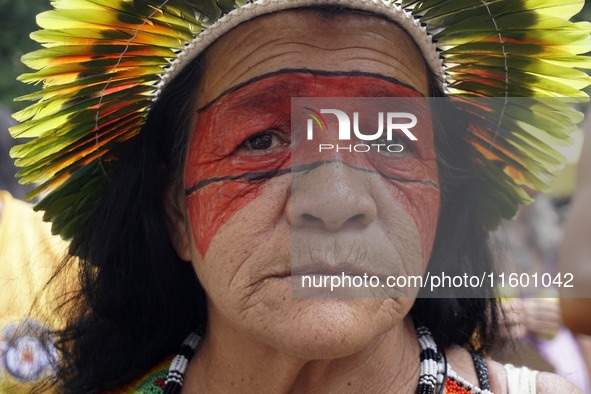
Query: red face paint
x,y
223,173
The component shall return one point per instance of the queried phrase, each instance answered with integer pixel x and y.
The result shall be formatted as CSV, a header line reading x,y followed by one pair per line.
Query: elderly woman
x,y
185,219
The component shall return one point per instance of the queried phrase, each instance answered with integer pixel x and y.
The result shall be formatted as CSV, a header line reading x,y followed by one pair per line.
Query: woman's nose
x,y
332,196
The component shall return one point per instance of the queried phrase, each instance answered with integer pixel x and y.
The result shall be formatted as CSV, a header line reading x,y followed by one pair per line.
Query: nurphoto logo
x,y
395,122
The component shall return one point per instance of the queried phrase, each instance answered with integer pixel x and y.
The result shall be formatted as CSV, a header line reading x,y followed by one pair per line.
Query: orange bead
x,y
452,387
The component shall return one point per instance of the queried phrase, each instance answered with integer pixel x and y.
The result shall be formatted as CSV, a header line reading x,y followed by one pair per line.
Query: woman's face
x,y
242,210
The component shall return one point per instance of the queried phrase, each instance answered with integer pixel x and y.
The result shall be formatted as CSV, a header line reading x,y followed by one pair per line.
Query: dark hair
x,y
462,243
138,300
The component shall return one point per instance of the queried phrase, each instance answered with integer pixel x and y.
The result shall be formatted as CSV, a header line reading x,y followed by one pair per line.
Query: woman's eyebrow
x,y
278,89
304,72
257,99
382,91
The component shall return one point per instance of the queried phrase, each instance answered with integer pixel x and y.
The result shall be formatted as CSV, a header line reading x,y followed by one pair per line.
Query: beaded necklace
x,y
434,368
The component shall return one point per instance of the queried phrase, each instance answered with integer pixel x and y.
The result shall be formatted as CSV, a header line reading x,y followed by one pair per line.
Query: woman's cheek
x,y
221,179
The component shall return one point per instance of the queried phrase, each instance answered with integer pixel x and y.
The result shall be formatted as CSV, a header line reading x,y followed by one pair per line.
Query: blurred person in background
x,y
535,332
575,250
29,254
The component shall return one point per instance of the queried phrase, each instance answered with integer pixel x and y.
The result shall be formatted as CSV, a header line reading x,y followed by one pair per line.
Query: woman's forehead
x,y
305,39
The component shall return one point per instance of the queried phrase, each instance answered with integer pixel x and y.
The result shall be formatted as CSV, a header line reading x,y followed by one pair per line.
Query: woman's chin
x,y
331,328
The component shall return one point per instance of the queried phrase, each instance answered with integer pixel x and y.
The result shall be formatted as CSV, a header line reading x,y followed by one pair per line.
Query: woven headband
x,y
105,61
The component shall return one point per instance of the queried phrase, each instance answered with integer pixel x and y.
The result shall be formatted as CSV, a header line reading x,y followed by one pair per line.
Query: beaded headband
x,y
105,61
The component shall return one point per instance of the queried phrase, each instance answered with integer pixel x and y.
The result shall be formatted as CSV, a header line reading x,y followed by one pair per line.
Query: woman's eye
x,y
263,141
397,146
260,141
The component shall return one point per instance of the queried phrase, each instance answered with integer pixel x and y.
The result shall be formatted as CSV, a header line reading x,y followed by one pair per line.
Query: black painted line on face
x,y
309,72
267,175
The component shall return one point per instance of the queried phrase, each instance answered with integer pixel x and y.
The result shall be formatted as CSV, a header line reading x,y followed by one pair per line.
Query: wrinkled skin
x,y
237,232
237,213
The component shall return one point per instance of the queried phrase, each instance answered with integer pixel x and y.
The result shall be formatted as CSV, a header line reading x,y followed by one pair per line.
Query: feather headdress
x,y
104,62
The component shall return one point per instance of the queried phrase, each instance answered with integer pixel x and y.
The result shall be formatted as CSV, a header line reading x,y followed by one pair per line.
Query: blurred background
x,y
17,21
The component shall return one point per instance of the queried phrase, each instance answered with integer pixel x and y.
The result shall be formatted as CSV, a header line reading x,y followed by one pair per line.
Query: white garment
x,y
520,380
